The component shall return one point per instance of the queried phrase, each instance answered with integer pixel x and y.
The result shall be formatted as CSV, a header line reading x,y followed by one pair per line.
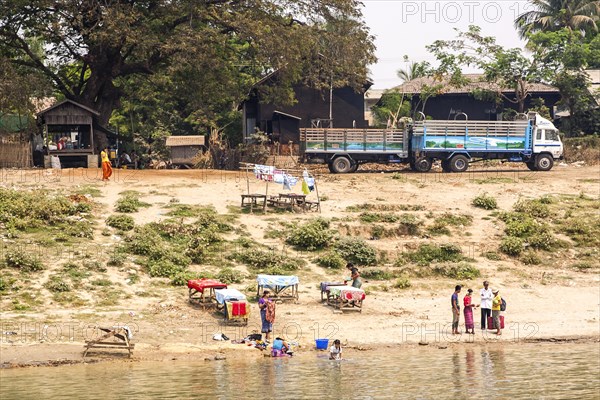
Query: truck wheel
x,y
423,164
341,165
330,167
354,167
446,166
459,163
531,165
544,162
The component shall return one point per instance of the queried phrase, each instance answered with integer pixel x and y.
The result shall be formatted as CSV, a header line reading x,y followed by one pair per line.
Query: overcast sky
x,y
405,27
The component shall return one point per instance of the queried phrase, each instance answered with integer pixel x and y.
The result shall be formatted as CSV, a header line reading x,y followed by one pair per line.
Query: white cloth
x,y
486,298
335,352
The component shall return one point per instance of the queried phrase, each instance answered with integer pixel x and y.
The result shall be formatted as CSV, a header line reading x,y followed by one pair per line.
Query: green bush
x,y
459,271
378,217
492,255
121,222
534,208
428,253
455,220
101,282
439,229
542,241
522,227
21,210
378,274
197,249
164,269
513,246
143,240
331,260
117,258
263,261
129,203
356,250
56,285
409,225
312,235
402,283
583,265
229,275
485,201
78,229
21,260
531,258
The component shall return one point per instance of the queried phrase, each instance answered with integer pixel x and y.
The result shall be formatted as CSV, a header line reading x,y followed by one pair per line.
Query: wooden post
x,y
317,193
266,196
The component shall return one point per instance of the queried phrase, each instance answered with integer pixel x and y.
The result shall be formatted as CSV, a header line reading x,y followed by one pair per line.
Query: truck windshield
x,y
551,134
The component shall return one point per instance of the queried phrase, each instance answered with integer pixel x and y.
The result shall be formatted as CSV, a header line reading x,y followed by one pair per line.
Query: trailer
x,y
533,141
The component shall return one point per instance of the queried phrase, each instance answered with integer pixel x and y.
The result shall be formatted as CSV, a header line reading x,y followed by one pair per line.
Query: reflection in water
x,y
524,371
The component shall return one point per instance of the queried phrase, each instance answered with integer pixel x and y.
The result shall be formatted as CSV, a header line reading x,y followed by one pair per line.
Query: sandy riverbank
x,y
550,301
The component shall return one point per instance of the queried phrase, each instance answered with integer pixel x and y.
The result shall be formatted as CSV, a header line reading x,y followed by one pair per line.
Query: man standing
x,y
455,310
486,303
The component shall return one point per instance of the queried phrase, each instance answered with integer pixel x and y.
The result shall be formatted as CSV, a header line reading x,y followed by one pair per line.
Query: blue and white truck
x,y
533,141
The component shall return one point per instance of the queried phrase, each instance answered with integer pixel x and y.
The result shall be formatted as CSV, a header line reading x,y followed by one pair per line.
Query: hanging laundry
x,y
305,187
264,172
278,176
289,181
310,181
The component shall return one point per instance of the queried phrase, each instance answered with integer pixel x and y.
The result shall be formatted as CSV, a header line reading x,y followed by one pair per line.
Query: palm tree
x,y
550,15
414,70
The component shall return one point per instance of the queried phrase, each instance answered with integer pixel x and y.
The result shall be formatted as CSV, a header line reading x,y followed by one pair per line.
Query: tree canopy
x,y
198,56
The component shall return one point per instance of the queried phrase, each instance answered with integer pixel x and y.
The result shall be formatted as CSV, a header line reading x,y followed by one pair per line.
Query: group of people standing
x,y
491,305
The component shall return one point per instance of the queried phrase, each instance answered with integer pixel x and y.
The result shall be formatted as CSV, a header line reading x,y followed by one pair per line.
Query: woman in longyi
x,y
106,166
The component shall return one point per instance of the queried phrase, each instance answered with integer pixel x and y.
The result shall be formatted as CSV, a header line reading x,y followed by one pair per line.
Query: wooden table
x,y
253,200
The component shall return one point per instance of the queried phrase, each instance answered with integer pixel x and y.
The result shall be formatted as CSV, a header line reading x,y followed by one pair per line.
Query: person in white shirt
x,y
335,351
486,303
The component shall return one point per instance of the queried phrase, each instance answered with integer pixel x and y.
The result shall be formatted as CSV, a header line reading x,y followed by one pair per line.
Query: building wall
x,y
184,154
446,106
348,110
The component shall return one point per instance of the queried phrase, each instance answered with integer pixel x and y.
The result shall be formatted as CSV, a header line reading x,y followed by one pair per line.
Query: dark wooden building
x,y
68,131
453,100
283,123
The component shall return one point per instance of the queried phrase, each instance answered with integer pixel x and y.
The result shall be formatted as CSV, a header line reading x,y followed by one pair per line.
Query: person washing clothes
x,y
280,348
335,352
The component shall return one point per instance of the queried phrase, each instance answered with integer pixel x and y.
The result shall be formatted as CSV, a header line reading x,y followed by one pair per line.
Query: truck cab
x,y
547,145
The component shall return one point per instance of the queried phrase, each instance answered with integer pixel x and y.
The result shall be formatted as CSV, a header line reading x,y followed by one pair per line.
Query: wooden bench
x,y
252,200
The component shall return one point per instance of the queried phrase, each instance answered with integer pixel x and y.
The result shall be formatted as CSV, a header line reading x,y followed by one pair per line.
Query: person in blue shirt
x,y
455,310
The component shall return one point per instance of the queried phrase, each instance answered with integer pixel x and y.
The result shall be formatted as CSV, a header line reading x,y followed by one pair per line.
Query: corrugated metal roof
x,y
173,141
68,101
476,82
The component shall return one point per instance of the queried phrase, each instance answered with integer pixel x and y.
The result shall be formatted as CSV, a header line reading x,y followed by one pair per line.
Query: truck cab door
x,y
547,140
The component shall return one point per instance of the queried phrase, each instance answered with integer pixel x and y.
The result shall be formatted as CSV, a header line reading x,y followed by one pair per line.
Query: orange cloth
x,y
106,170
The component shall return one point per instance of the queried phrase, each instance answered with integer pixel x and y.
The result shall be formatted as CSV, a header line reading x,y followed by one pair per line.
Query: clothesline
x,y
283,176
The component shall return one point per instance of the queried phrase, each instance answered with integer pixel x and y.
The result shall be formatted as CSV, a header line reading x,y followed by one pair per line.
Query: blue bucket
x,y
322,344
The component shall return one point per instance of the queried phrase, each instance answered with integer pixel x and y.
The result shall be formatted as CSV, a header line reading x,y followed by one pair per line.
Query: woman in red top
x,y
468,303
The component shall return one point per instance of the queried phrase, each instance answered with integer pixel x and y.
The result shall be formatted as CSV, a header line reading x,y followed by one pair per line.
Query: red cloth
x,y
201,284
239,308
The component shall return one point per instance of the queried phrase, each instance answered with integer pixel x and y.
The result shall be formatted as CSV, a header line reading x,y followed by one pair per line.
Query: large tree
x,y
553,15
502,68
215,47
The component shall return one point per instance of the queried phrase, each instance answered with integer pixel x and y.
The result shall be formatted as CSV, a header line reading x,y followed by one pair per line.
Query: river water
x,y
539,371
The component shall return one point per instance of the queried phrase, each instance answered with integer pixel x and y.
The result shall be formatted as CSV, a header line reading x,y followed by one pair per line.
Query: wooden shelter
x,y
68,130
184,148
